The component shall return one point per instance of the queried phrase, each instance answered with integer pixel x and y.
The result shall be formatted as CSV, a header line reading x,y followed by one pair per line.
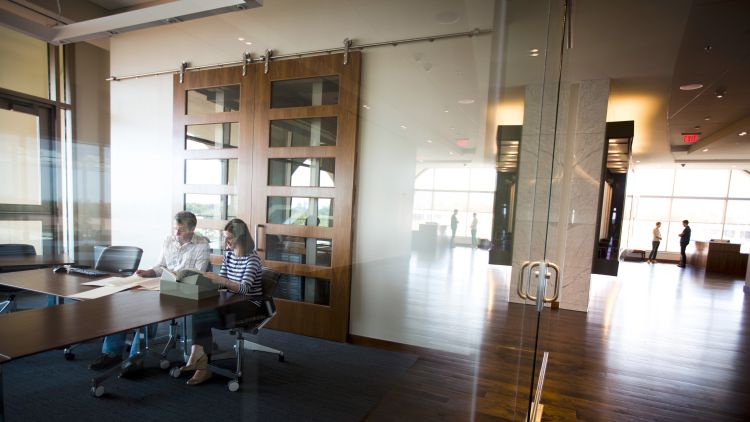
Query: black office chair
x,y
249,325
119,259
13,249
114,259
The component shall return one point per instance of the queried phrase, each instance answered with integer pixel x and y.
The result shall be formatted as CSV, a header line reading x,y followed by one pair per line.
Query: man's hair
x,y
187,218
685,221
658,223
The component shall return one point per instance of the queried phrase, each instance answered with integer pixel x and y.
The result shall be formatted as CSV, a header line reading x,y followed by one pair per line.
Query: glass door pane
x,y
30,159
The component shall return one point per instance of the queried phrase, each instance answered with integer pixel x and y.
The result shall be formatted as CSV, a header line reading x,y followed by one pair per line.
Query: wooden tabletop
x,y
39,330
13,263
46,281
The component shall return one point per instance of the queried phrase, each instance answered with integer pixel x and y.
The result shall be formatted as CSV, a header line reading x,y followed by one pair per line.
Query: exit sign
x,y
689,138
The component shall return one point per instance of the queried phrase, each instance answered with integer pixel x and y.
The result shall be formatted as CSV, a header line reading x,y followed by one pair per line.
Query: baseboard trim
x,y
398,347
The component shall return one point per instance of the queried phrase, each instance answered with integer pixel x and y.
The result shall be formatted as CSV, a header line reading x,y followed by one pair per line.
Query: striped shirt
x,y
245,270
192,255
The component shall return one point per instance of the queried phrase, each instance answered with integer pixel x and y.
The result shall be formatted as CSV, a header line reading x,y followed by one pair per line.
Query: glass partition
x,y
213,100
298,250
305,92
211,172
317,172
300,211
317,131
212,136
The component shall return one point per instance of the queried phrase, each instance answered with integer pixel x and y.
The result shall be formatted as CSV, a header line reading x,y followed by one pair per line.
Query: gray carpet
x,y
319,381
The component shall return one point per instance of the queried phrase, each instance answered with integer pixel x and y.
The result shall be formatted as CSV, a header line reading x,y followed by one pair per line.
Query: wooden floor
x,y
658,343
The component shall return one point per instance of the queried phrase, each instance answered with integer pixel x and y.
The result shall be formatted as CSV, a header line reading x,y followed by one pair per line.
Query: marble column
x,y
561,160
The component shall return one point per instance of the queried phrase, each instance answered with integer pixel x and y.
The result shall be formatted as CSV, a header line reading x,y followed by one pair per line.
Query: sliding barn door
x,y
303,188
277,148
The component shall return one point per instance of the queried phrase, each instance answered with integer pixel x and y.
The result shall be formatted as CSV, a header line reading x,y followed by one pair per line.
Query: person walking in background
x,y
684,240
655,243
474,223
454,227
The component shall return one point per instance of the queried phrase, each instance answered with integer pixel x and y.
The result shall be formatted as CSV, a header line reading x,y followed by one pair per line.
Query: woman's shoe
x,y
199,376
196,356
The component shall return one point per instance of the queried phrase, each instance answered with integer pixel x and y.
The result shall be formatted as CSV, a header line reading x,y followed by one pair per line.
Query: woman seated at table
x,y
240,273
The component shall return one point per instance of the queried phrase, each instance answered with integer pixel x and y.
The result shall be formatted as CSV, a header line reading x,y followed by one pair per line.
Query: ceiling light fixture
x,y
248,43
466,101
240,39
743,133
690,87
720,93
707,118
445,111
705,149
403,127
429,141
365,106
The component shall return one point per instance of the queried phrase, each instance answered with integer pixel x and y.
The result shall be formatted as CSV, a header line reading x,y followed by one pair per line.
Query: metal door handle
x,y
556,290
520,288
257,237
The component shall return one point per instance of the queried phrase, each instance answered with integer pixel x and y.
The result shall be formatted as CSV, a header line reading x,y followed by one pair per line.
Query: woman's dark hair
x,y
242,238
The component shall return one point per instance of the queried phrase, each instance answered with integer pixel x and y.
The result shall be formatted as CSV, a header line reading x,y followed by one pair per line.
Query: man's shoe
x,y
131,368
105,361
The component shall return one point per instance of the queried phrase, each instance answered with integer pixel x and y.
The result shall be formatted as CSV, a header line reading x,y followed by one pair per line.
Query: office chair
x,y
114,259
13,249
119,259
250,325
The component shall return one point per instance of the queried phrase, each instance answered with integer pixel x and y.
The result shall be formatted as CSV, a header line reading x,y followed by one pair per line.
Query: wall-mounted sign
x,y
689,138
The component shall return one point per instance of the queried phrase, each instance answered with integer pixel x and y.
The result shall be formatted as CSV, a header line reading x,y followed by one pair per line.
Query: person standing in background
x,y
474,223
655,243
454,227
684,241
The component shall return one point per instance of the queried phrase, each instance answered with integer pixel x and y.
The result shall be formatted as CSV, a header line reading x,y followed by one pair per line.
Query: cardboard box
x,y
187,285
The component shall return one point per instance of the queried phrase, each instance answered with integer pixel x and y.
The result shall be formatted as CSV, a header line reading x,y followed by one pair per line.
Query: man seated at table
x,y
182,250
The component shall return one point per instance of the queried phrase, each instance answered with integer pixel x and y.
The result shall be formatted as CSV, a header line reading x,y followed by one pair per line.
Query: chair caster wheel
x,y
233,385
175,372
281,357
164,364
69,355
97,391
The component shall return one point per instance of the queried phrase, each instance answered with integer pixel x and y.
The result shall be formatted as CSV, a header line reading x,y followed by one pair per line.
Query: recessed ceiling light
x,y
707,118
466,101
696,127
637,161
248,43
534,54
240,39
429,141
690,87
534,50
450,152
403,127
445,111
705,149
720,93
743,133
365,106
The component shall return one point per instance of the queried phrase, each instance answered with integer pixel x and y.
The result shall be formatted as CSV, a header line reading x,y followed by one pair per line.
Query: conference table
x,y
39,330
20,263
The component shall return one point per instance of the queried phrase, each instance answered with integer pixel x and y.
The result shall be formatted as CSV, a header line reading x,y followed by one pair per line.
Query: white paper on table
x,y
100,292
150,284
132,280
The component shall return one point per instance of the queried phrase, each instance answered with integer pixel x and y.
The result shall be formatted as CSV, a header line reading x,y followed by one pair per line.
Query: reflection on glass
x,y
213,100
299,250
303,289
739,185
698,210
305,92
211,207
701,182
317,131
214,239
211,172
20,151
213,136
300,211
318,172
